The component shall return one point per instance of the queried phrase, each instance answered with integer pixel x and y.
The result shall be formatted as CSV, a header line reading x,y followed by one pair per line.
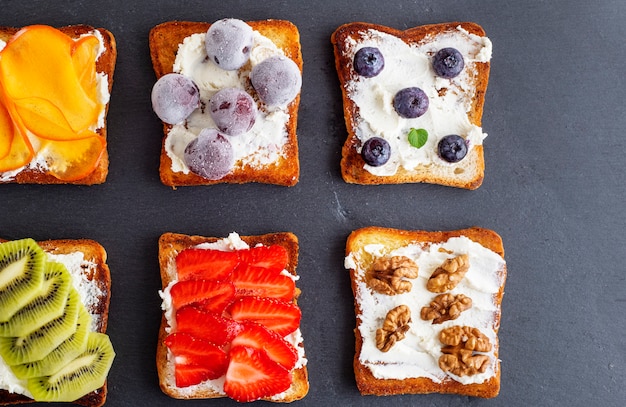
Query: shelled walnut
x,y
459,357
388,275
449,274
446,307
394,328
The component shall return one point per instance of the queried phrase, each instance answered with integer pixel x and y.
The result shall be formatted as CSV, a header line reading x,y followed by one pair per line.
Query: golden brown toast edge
x,y
94,252
396,238
351,163
105,64
170,244
164,40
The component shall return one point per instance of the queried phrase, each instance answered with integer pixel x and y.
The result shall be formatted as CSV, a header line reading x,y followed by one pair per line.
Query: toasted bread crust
x,y
393,239
104,64
94,253
170,244
164,40
352,164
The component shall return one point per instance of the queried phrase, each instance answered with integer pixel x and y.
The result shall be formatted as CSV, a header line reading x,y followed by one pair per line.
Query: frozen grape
x,y
448,63
228,43
410,102
452,148
368,62
376,151
174,98
233,111
210,155
277,80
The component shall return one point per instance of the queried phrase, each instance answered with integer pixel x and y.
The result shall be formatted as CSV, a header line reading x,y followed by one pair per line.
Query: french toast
x,y
86,261
417,142
171,245
430,286
282,167
50,169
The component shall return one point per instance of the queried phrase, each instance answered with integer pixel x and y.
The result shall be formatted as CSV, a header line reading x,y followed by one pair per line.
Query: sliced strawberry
x,y
206,325
273,258
260,338
257,281
205,264
195,360
252,375
279,316
209,295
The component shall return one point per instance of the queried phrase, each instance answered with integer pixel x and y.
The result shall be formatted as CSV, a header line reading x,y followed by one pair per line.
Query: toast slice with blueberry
x,y
268,152
407,121
414,291
251,276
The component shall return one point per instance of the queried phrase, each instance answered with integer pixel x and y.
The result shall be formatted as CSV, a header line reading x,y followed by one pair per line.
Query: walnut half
x,y
446,307
449,274
389,274
459,357
394,328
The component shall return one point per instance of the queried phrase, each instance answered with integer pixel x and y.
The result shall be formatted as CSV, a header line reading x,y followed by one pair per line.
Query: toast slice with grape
x,y
282,168
180,258
417,362
414,138
35,171
85,259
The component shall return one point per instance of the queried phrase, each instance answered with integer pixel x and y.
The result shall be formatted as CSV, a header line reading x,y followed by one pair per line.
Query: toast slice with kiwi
x,y
172,270
407,279
274,162
84,265
44,169
416,128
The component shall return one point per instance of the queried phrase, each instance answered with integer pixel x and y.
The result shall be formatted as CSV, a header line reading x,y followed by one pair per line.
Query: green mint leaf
x,y
418,137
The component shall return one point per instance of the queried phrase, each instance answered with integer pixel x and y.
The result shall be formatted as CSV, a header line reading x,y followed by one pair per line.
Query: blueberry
x,y
368,62
452,148
448,63
376,151
410,103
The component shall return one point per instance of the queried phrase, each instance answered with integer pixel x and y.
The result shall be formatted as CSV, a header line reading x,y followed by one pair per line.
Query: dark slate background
x,y
554,189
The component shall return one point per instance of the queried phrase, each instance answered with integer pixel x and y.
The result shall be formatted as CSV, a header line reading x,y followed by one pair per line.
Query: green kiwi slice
x,y
60,356
21,275
45,307
84,374
38,343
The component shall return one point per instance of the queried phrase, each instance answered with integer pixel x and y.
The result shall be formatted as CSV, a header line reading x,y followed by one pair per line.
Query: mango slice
x,y
19,155
7,131
72,160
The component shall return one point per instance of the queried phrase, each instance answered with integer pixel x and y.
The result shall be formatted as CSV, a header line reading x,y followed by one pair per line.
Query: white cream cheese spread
x,y
88,291
230,243
261,145
409,65
418,353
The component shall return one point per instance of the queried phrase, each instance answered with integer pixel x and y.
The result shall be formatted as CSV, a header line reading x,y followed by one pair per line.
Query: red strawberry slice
x,y
195,360
209,295
260,338
253,375
206,325
205,264
279,316
273,258
257,281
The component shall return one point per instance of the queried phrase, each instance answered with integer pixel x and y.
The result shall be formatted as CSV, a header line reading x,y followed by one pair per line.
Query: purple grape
x,y
448,63
452,148
174,98
228,43
277,80
210,155
376,151
410,103
233,111
368,62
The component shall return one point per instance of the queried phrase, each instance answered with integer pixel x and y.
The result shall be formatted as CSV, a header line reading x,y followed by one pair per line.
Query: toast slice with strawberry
x,y
230,326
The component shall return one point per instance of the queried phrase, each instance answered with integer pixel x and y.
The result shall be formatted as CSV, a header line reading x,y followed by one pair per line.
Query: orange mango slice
x,y
72,160
20,153
7,131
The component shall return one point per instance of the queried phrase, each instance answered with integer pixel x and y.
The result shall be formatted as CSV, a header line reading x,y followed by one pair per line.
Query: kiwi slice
x,y
81,376
45,307
38,343
21,275
60,356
